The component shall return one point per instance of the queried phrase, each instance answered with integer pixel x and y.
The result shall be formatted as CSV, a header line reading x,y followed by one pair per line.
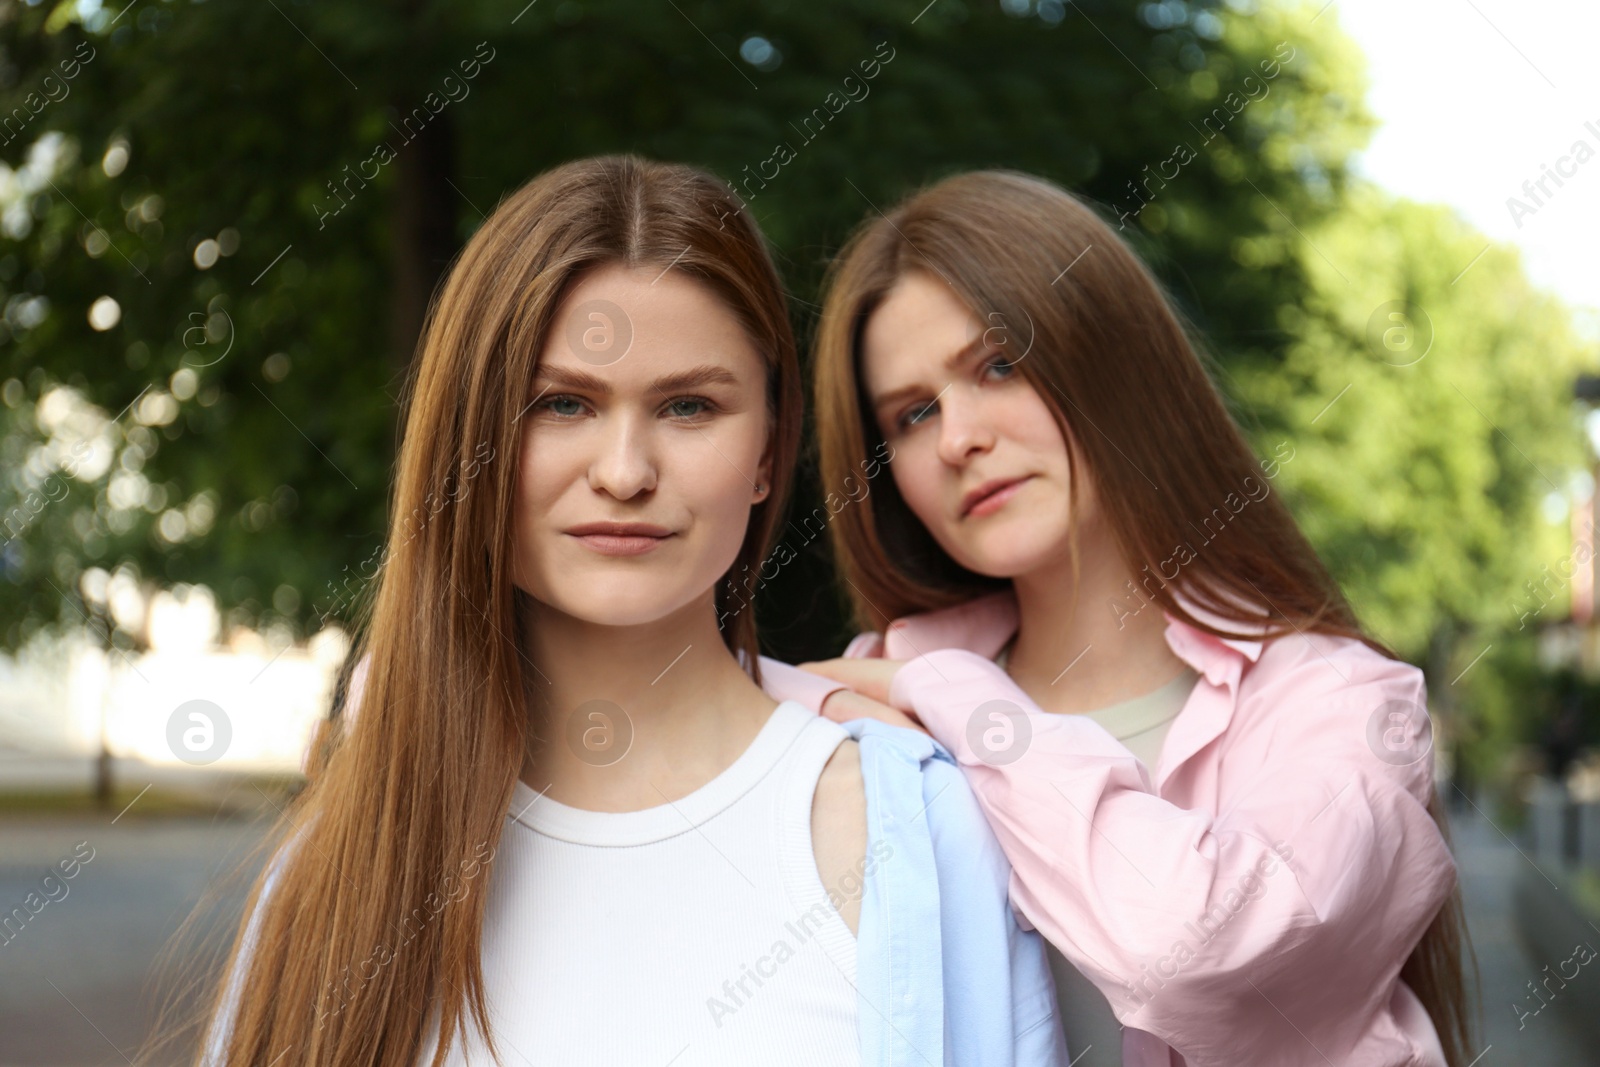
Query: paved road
x,y
75,981
72,981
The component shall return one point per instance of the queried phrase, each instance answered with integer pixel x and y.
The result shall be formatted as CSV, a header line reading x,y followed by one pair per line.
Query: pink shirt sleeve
x,y
1294,907
784,682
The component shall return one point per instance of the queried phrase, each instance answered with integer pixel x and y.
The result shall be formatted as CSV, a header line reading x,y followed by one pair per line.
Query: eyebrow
x,y
572,378
894,395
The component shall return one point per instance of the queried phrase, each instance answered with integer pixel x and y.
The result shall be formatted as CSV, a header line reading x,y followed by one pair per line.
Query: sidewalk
x,y
1491,868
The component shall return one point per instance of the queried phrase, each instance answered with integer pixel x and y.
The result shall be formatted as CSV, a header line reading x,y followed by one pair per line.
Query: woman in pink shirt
x,y
1272,885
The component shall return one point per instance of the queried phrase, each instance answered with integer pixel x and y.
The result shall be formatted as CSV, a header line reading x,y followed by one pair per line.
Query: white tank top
x,y
696,932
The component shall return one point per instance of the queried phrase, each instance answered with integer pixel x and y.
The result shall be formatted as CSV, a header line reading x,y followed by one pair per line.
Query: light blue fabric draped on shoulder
x,y
944,974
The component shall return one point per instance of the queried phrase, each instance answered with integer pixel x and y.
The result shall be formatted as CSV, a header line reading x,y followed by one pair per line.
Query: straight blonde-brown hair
x,y
354,949
1073,308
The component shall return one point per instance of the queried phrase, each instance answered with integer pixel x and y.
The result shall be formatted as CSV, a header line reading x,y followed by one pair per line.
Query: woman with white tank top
x,y
561,822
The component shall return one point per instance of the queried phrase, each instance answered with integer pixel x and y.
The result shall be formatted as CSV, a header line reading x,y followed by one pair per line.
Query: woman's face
x,y
961,420
648,408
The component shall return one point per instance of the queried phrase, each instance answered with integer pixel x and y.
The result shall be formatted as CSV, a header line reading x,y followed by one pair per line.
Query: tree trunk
x,y
424,223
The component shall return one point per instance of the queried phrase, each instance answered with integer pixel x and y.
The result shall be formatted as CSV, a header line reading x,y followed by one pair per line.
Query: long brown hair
x,y
354,950
1076,311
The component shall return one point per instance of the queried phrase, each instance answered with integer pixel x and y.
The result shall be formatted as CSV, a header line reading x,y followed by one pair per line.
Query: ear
x,y
764,474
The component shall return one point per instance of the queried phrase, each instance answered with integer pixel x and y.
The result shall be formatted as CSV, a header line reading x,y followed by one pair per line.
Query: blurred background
x,y
220,223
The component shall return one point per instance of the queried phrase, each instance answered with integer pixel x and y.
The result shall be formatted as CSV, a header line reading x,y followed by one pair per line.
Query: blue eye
x,y
914,416
550,405
701,401
1000,362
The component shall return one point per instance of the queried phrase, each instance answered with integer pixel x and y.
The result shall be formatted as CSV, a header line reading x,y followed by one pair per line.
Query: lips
x,y
994,491
620,529
620,538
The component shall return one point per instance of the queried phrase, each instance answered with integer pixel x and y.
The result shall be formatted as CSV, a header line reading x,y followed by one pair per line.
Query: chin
x,y
632,603
610,599
1005,555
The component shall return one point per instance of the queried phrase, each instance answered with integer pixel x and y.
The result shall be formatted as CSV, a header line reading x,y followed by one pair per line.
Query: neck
x,y
631,717
1077,653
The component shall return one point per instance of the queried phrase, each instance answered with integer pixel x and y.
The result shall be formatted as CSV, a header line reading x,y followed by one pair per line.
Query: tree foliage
x,y
268,194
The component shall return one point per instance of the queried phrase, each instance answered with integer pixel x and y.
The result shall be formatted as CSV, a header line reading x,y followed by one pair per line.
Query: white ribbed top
x,y
694,932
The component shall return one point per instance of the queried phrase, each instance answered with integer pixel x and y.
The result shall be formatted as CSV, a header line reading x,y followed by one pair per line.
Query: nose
x,y
625,463
963,429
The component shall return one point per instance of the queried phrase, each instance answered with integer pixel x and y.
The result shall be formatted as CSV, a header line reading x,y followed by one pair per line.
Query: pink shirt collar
x,y
984,624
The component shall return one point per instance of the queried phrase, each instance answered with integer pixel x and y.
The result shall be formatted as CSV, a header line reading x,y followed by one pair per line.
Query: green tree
x,y
217,170
1428,392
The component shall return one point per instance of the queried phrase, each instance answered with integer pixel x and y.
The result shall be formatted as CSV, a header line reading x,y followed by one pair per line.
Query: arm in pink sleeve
x,y
784,682
1268,933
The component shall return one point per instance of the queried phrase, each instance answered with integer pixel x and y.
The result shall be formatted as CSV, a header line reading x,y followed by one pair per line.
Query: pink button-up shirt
x,y
1251,899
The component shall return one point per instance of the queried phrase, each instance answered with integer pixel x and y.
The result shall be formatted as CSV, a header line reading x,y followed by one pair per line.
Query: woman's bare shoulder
x,y
839,830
